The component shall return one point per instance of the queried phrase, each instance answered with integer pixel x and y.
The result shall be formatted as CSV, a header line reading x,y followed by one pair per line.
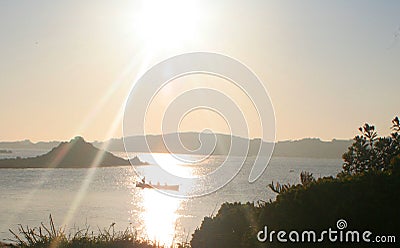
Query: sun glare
x,y
164,24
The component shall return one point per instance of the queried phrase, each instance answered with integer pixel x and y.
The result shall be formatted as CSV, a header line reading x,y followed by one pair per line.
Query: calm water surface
x,y
99,197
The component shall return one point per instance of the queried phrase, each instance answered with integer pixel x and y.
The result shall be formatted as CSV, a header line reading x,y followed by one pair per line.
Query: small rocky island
x,y
76,153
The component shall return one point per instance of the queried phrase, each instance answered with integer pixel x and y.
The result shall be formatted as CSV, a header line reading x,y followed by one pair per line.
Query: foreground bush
x,y
365,194
367,202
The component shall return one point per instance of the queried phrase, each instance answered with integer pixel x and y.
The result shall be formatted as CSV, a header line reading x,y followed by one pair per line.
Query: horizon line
x,y
188,132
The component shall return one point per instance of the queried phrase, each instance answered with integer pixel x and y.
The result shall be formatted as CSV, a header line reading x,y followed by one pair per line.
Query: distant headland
x,y
305,148
77,153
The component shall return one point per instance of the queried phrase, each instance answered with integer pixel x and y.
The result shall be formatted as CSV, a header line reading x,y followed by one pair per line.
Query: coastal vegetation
x,y
365,194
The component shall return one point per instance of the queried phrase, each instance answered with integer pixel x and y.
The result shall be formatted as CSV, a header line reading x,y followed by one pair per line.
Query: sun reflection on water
x,y
159,216
155,215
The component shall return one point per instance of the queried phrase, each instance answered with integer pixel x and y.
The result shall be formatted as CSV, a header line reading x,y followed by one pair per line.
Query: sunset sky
x,y
67,67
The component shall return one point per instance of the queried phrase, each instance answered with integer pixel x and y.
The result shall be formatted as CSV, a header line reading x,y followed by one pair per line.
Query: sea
x,y
100,198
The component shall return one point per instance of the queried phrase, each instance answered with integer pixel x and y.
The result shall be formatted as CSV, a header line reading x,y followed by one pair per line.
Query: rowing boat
x,y
157,186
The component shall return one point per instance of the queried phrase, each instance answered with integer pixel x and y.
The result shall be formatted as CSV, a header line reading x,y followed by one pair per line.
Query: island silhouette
x,y
77,153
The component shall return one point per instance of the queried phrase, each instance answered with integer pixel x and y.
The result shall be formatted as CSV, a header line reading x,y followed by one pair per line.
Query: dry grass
x,y
52,237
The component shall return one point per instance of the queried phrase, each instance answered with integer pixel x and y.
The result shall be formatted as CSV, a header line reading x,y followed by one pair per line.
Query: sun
x,y
162,24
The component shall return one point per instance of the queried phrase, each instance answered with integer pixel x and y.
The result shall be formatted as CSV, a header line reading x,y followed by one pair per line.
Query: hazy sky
x,y
66,67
